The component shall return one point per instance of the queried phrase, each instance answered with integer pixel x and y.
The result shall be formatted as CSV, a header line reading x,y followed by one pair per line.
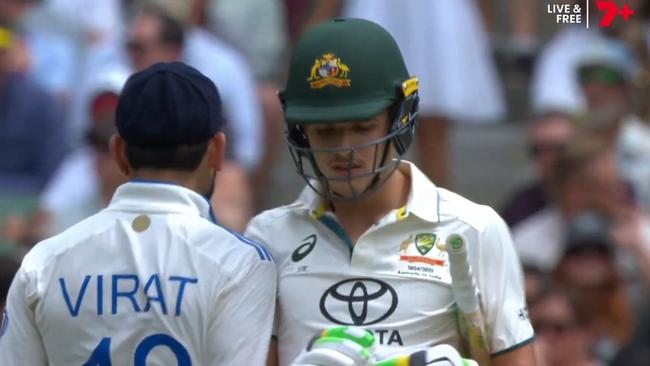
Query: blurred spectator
x,y
444,44
586,178
91,24
606,76
11,11
71,41
554,84
78,168
51,56
560,338
547,134
155,36
589,272
8,268
89,168
27,114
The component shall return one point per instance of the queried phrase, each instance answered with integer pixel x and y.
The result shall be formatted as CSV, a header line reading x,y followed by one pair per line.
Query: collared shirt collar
x,y
423,199
161,197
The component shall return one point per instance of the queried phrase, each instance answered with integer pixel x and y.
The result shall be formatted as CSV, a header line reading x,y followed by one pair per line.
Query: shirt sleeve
x,y
20,341
501,284
241,331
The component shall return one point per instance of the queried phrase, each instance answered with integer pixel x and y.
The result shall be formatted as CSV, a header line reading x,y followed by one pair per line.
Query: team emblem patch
x,y
329,70
424,242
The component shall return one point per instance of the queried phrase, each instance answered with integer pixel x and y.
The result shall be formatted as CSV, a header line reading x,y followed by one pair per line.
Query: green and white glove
x,y
352,346
339,346
440,355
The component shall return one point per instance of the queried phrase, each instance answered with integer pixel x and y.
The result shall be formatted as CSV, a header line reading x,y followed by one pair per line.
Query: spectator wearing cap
x,y
554,84
590,272
606,76
153,271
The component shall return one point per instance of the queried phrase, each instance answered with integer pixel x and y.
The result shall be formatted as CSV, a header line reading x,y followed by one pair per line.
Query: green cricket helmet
x,y
347,70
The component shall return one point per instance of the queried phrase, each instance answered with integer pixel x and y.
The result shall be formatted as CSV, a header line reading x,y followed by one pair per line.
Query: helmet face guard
x,y
400,136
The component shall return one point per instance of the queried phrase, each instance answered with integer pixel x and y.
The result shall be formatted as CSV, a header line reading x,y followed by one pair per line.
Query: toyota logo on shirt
x,y
358,301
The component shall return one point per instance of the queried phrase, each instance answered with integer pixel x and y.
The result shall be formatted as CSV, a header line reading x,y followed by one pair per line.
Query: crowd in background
x,y
581,228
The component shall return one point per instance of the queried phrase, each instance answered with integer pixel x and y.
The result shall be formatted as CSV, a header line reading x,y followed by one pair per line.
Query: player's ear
x,y
117,149
216,151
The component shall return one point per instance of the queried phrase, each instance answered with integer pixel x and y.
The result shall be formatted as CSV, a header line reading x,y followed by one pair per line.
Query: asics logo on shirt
x,y
305,248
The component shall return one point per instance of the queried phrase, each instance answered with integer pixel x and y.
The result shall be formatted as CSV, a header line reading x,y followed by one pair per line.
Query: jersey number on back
x,y
101,356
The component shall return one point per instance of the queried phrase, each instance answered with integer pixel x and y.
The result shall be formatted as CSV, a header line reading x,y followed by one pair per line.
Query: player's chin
x,y
349,189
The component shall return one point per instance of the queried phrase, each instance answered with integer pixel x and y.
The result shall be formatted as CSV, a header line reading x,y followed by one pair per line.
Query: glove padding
x,y
440,355
352,346
339,346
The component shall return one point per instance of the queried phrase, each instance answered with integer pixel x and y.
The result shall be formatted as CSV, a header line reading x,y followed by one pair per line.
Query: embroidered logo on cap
x,y
329,70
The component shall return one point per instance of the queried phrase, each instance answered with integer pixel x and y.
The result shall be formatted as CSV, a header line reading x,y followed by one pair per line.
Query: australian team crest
x,y
424,242
329,70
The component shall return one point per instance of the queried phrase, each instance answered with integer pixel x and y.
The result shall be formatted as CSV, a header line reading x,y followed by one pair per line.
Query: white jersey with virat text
x,y
395,279
150,280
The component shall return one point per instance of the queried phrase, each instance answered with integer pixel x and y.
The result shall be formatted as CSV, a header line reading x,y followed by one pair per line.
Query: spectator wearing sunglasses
x,y
606,76
585,177
546,135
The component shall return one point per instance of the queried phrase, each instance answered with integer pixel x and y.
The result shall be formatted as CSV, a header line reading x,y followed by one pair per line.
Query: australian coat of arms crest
x,y
329,70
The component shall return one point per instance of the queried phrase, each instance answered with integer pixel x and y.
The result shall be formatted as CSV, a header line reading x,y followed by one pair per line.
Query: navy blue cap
x,y
168,105
588,230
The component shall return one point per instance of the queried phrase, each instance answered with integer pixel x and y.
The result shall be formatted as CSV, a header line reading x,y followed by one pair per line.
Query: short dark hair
x,y
172,32
184,157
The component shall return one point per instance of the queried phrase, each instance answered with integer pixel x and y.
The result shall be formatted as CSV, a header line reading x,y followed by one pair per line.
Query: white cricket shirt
x,y
150,280
394,281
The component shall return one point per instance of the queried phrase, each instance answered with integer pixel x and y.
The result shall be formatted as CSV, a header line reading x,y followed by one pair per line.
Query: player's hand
x,y
352,346
440,355
339,346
